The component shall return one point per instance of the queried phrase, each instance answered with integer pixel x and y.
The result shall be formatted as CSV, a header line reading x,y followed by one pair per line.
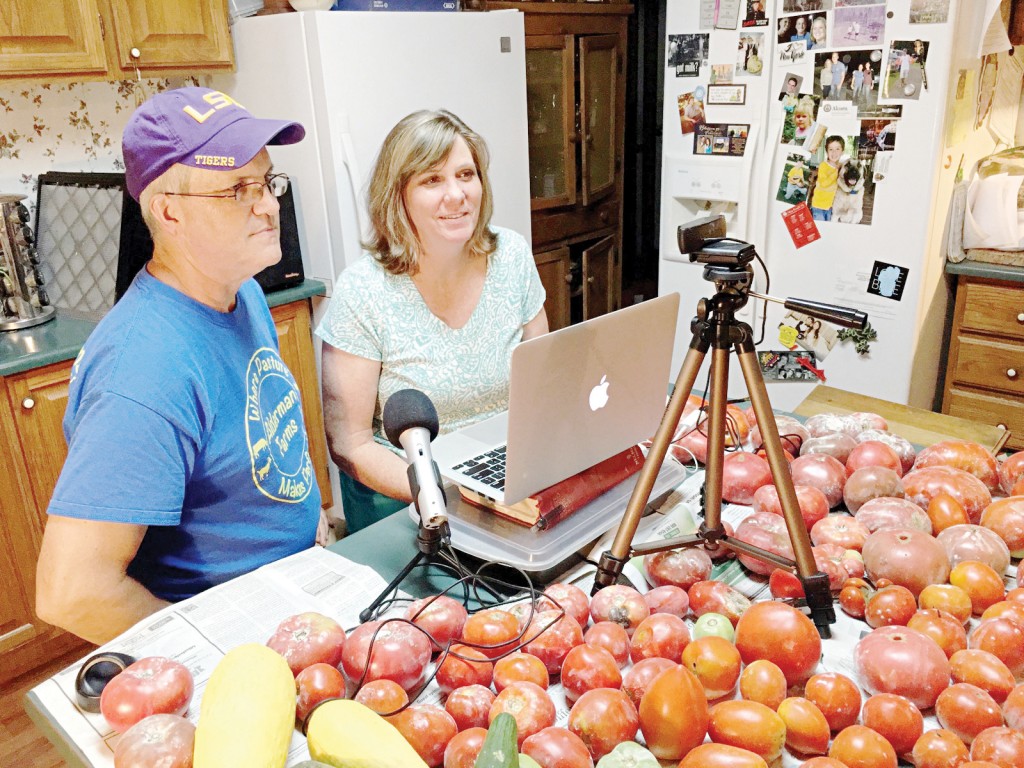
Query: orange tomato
x,y
942,627
897,720
983,669
1010,609
748,725
939,748
716,663
763,682
946,597
674,713
857,746
945,511
838,698
1003,746
807,731
822,762
1002,637
1013,708
981,583
721,756
966,710
518,667
781,634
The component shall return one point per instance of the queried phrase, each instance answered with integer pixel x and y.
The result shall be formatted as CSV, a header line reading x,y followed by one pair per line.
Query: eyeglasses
x,y
247,192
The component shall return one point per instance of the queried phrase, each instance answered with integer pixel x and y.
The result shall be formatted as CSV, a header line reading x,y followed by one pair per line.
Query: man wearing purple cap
x,y
188,462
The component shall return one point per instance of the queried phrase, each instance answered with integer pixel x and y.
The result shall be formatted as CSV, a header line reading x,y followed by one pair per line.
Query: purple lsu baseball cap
x,y
199,127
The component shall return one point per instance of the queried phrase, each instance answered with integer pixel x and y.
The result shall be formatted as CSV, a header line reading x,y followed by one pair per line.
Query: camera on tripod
x,y
705,242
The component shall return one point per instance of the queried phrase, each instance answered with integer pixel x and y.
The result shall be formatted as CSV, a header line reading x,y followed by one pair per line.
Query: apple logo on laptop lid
x,y
599,395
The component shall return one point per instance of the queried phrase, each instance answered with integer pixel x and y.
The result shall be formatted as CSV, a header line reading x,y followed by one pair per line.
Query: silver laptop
x,y
577,396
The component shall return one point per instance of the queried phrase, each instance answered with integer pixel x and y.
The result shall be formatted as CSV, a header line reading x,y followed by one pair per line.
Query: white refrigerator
x,y
348,77
881,252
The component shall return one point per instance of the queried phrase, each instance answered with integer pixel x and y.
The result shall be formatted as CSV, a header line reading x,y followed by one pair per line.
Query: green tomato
x,y
525,761
714,624
629,754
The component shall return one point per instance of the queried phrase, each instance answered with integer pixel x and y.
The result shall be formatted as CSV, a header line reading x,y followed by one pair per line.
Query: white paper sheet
x,y
994,38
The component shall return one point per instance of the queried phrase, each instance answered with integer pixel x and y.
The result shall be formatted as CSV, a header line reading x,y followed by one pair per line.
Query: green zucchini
x,y
500,749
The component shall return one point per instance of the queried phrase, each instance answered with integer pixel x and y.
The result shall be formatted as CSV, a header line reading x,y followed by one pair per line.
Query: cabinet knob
x,y
568,277
1020,317
28,403
1001,426
1011,373
590,279
603,215
135,53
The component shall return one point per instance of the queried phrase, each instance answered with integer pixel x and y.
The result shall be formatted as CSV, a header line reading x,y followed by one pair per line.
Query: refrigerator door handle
x,y
348,159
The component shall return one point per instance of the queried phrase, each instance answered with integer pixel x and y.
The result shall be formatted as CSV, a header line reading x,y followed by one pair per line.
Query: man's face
x,y
226,240
791,86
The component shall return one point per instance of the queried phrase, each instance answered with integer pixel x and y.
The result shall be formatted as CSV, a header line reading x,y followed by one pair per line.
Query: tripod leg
x,y
610,566
815,583
716,439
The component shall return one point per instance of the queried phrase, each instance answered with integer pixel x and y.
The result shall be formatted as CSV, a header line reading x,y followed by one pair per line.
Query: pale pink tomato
x,y
975,542
568,597
961,454
827,423
921,485
742,474
904,448
469,706
812,502
837,445
869,483
892,512
558,748
717,597
902,661
610,636
677,567
867,420
587,667
906,556
873,453
841,530
668,599
823,472
551,636
662,635
621,604
767,531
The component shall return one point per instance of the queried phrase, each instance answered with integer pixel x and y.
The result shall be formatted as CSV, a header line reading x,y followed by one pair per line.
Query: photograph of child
x,y
793,184
841,186
801,127
802,6
790,93
812,334
691,109
748,55
858,26
929,11
687,54
878,136
905,74
848,76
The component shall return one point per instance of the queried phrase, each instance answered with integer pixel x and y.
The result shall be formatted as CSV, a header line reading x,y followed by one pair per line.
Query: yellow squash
x,y
346,734
248,711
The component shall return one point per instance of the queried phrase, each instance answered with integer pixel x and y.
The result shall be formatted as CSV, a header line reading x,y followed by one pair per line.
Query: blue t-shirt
x,y
186,420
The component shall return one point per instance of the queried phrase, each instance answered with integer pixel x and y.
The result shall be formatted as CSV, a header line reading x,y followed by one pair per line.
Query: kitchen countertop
x,y
986,270
61,339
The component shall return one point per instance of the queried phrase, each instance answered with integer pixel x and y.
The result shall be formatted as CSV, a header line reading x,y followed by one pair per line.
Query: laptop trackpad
x,y
453,448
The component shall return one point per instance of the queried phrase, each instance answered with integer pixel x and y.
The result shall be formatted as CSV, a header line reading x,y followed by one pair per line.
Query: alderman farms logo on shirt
x,y
281,467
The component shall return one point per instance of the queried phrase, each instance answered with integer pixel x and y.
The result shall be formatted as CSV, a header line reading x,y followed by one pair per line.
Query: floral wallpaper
x,y
66,127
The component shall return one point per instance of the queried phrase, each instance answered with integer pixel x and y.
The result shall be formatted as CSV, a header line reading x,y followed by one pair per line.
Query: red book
x,y
552,505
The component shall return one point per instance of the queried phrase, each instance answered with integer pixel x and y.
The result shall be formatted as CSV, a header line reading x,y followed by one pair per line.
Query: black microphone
x,y
410,422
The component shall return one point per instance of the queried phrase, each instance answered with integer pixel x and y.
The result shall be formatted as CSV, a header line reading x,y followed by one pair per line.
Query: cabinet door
x,y
38,36
295,338
553,267
598,272
551,120
599,101
38,399
172,34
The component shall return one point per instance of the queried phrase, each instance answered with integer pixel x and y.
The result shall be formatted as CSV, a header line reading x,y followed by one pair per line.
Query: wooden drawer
x,y
556,226
989,409
990,364
994,308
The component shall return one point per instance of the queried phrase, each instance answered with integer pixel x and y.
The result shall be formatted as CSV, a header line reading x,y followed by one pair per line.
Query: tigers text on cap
x,y
198,127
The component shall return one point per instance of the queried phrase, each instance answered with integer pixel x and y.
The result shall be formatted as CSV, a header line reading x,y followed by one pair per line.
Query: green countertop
x,y
62,337
985,270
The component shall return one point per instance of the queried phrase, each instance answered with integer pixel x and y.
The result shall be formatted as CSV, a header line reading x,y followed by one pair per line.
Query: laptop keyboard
x,y
487,468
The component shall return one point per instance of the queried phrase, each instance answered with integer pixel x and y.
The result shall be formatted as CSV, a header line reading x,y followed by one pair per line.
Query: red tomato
x,y
317,682
677,567
550,637
157,740
742,474
587,667
944,512
1002,746
963,455
906,556
567,597
1006,609
464,748
603,718
717,597
493,631
428,729
382,696
767,531
1013,708
889,512
716,663
807,731
822,762
858,746
873,453
784,584
668,599
661,635
921,485
1010,471
464,666
1006,518
470,706
308,638
870,483
668,735
441,616
812,502
781,634
890,606
556,747
841,530
939,748
612,637
518,667
901,661
1002,637
966,710
639,677
823,472
389,650
895,718
153,685
721,756
621,604
854,600
529,704
982,584
748,725
942,627
762,681
983,669
838,698
975,542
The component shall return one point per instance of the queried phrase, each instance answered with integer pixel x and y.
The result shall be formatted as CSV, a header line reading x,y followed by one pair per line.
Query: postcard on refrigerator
x,y
905,75
727,93
878,135
858,26
849,75
800,225
721,73
748,58
687,54
797,6
793,53
787,365
691,109
725,139
929,11
793,184
812,334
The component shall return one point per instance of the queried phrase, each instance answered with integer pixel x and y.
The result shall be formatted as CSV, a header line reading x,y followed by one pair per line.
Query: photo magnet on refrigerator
x,y
888,280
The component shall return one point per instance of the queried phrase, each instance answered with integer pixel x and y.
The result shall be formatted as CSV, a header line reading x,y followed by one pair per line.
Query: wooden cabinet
x,y
32,452
113,39
575,98
985,375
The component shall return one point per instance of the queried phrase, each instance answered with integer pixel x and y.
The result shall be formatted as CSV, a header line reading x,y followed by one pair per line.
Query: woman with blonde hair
x,y
436,304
